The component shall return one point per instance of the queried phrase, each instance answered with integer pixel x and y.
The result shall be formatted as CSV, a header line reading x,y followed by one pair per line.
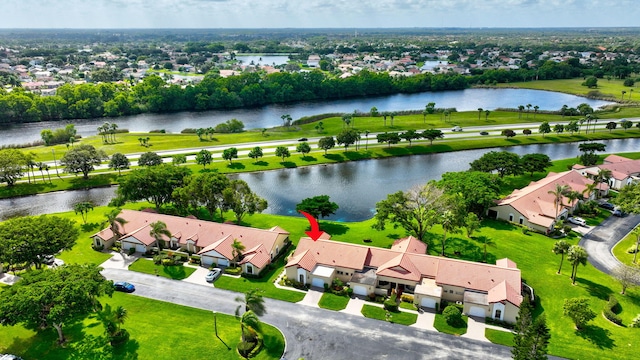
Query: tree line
x,y
152,94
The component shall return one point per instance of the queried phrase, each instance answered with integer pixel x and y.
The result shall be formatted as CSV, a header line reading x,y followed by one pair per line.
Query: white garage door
x,y
206,260
317,282
127,245
428,303
223,262
477,311
360,290
141,248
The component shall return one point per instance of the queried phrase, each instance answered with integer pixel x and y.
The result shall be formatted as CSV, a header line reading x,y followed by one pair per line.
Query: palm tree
x,y
113,220
479,112
392,115
535,110
636,232
603,175
112,129
252,301
366,139
41,166
486,114
561,247
623,92
158,229
250,326
520,110
528,109
236,250
563,110
112,319
576,255
590,189
558,193
573,196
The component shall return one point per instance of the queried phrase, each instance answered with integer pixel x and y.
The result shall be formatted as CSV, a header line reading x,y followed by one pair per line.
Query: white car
x,y
456,128
577,220
213,274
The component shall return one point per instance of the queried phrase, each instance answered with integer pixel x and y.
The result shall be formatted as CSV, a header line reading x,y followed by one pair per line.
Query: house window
x,y
249,269
383,283
521,221
450,291
498,314
302,278
510,217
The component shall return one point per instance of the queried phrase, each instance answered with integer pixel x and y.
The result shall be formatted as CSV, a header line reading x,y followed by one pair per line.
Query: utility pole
x,y
215,325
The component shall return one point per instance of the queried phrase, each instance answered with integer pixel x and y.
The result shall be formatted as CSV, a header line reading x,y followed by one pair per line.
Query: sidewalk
x,y
119,260
475,329
312,298
425,320
354,307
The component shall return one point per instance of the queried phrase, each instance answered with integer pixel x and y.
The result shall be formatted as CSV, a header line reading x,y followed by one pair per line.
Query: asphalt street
x,y
313,333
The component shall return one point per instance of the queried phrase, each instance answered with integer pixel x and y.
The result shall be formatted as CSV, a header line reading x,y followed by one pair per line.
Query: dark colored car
x,y
484,133
303,139
608,206
618,213
124,286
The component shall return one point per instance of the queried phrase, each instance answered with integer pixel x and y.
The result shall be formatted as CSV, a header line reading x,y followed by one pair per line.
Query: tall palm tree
x,y
113,220
561,247
112,129
252,301
479,112
520,110
159,229
535,110
236,250
41,166
603,175
558,193
250,326
112,319
623,92
576,255
573,196
589,189
636,232
392,115
528,109
366,139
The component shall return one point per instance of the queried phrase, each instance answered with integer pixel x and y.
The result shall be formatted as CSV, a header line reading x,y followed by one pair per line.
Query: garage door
x,y
141,248
206,260
428,303
317,282
223,262
477,311
127,245
360,290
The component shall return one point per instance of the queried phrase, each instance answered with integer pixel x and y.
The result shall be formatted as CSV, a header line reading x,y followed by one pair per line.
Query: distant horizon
x,y
317,14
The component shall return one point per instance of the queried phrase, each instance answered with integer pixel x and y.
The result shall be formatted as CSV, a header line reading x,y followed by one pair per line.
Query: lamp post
x,y
215,326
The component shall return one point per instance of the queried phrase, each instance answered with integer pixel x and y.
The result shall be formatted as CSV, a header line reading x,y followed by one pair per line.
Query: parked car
x,y
124,286
607,205
47,259
9,357
577,220
618,213
456,128
303,139
484,133
213,274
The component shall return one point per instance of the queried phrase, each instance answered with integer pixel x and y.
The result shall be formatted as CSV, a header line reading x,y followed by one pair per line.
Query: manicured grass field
x,y
264,283
333,302
499,337
441,325
159,330
620,250
400,317
175,272
608,88
408,306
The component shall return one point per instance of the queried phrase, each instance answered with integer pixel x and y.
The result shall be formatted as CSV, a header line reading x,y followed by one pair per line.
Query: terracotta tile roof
x,y
410,244
332,253
476,276
258,256
504,292
506,263
400,267
536,203
205,234
615,159
304,260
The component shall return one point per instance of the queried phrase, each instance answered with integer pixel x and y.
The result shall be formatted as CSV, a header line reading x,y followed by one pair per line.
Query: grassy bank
x,y
607,88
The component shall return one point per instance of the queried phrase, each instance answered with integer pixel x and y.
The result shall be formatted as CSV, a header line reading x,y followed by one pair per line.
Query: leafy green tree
x,y
179,159
389,138
82,159
508,133
410,135
119,162
47,136
230,154
303,148
112,320
485,188
83,209
531,337
206,189
347,138
115,222
154,184
579,311
252,301
26,239
326,143
611,125
627,276
150,159
452,315
626,125
237,248
374,112
561,247
255,153
572,126
415,210
502,162
535,163
283,152
544,128
432,134
239,198
157,230
471,224
577,255
204,158
318,206
52,297
558,128
451,218
588,150
591,82
11,163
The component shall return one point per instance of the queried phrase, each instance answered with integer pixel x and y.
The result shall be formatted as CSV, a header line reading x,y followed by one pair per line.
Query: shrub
x,y
188,131
525,230
609,310
407,298
233,270
97,247
245,347
160,131
391,304
194,259
635,323
452,315
120,338
632,250
132,251
167,262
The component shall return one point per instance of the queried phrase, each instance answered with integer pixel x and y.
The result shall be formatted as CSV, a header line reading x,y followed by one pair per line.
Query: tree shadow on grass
x,y
333,228
600,291
309,158
334,157
514,141
89,226
598,336
261,163
176,272
288,164
236,166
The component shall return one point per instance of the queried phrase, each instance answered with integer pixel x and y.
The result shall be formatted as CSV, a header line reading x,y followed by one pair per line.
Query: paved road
x,y
314,333
600,241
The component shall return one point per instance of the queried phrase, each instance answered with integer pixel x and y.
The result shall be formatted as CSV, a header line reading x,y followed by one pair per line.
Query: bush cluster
x,y
391,304
452,316
609,310
407,298
635,323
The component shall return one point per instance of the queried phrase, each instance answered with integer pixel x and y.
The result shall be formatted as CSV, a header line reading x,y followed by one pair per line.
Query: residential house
x,y
534,206
313,61
484,290
624,171
211,241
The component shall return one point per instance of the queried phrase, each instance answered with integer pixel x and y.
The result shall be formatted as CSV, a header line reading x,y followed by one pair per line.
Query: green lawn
x,y
499,337
158,330
333,302
175,272
441,325
264,283
608,88
400,317
620,250
408,306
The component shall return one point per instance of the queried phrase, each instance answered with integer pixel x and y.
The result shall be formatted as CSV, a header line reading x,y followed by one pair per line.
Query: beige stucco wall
x,y
452,293
503,214
510,312
417,299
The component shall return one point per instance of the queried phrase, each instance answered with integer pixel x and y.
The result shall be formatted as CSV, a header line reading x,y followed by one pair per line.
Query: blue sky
x,y
317,13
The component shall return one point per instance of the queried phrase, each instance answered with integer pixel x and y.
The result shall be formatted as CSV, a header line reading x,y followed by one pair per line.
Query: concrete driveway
x,y
198,277
314,333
